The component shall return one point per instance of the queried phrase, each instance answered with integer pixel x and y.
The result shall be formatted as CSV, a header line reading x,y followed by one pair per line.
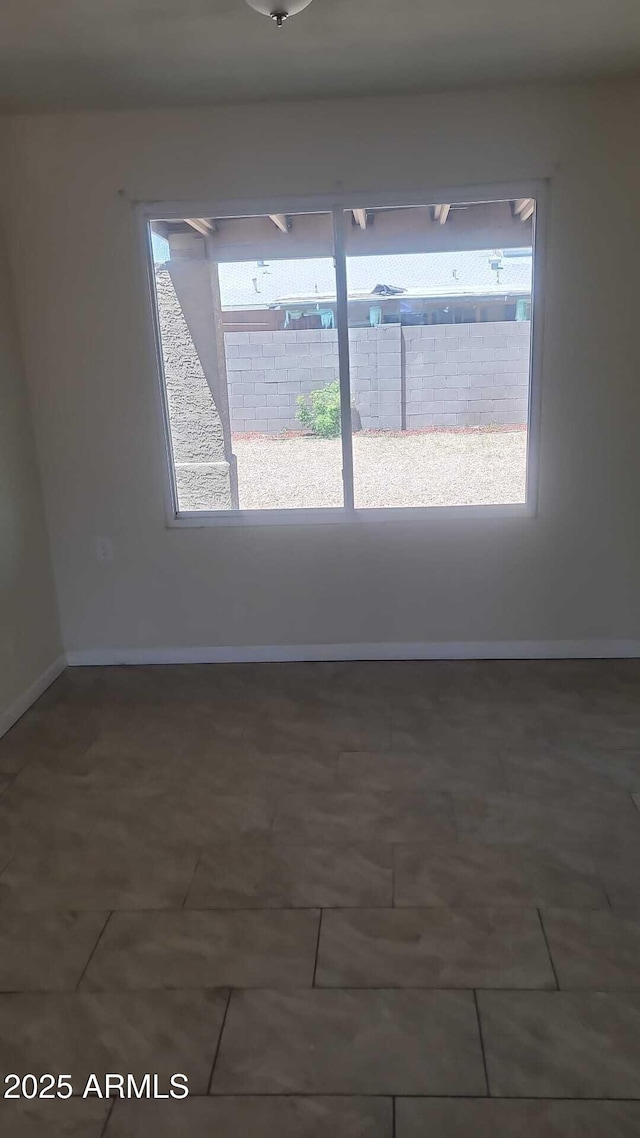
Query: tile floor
x,y
394,900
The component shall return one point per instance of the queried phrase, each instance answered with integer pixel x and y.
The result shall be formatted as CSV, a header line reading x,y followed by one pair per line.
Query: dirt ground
x,y
430,468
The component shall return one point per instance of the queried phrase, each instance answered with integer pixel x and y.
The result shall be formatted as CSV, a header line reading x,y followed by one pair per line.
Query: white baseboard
x,y
455,650
31,694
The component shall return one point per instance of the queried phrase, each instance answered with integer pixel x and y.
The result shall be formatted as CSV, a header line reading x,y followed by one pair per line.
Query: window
x,y
328,363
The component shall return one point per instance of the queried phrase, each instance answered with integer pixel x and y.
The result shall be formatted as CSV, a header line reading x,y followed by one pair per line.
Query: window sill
x,y
342,516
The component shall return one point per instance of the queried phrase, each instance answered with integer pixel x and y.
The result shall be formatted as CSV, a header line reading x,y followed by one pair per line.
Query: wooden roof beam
x,y
524,207
441,213
281,221
360,217
201,225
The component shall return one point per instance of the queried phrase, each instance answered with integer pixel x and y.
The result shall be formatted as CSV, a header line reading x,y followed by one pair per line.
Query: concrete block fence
x,y
467,375
443,375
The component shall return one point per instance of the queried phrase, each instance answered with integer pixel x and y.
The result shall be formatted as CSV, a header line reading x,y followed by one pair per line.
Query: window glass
x,y
247,318
439,341
412,328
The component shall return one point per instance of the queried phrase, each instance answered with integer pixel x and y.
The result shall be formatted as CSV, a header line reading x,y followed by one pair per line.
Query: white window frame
x,y
146,212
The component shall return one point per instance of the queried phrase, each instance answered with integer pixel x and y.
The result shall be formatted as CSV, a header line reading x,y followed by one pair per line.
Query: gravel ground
x,y
442,468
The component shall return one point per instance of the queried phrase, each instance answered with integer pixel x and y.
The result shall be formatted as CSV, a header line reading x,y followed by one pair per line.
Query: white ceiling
x,y
145,53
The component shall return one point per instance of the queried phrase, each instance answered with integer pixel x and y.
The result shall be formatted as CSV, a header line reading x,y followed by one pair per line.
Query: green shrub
x,y
320,411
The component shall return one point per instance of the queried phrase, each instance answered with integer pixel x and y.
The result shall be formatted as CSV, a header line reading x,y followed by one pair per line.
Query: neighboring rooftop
x,y
252,284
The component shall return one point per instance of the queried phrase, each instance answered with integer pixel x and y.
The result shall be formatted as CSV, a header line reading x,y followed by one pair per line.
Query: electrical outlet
x,y
104,549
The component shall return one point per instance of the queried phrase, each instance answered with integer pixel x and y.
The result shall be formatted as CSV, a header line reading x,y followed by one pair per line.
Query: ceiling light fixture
x,y
278,10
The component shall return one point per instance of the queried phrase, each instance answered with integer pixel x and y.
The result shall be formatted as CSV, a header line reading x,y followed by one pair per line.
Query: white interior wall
x,y
30,650
567,576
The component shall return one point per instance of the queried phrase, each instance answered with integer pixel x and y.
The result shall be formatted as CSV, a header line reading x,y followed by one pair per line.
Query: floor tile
x,y
477,873
569,768
346,1042
157,797
143,732
195,949
617,868
195,815
432,948
234,770
100,772
427,769
98,873
6,851
472,791
356,816
597,950
257,1117
85,1033
81,798
613,731
269,872
72,1118
51,816
57,732
589,821
318,728
477,729
46,952
562,1044
501,1118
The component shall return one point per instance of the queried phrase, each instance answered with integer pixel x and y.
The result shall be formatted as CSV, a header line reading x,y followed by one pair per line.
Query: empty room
x,y
319,569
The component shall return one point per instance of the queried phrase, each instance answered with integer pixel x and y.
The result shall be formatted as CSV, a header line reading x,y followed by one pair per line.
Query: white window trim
x,y
145,212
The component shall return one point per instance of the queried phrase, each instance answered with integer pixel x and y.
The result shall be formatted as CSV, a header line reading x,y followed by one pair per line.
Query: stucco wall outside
x,y
446,375
202,474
